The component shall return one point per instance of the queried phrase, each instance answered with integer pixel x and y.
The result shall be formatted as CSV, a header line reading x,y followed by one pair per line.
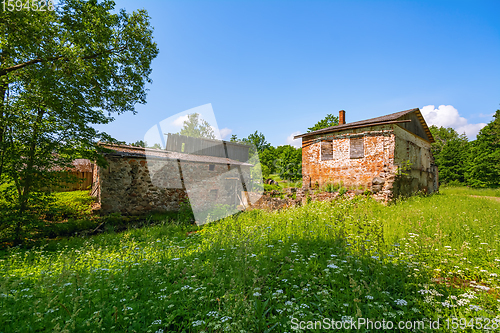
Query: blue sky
x,y
280,66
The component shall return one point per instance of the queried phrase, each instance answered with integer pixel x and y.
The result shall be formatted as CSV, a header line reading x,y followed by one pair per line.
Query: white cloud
x,y
225,132
448,116
180,121
297,143
482,115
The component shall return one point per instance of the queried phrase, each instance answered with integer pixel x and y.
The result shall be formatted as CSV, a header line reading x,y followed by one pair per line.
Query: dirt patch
x,y
492,198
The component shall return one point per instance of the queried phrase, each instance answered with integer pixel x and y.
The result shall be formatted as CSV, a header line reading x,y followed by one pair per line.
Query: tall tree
x,y
450,151
289,162
61,72
329,121
197,127
258,140
139,143
268,158
484,162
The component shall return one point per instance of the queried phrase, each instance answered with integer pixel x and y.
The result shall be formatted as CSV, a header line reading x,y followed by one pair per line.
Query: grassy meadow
x,y
426,258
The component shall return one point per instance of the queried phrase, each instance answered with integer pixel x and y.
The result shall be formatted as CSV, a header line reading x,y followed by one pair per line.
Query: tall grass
x,y
255,272
462,190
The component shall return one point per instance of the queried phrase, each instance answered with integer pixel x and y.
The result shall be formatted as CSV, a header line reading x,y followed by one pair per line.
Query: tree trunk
x,y
28,175
3,91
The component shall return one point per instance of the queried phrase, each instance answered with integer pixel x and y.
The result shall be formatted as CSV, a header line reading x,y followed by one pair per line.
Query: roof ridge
x,y
388,117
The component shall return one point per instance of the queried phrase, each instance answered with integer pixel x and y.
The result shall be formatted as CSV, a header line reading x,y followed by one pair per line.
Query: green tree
x,y
139,143
144,144
289,162
258,140
484,162
329,121
450,151
197,127
268,158
61,72
155,146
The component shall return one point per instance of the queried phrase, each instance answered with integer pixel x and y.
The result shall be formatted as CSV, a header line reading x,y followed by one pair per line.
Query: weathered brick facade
x,y
369,154
139,180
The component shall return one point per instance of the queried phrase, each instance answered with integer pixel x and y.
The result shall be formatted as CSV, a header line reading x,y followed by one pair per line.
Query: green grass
x,y
74,204
58,214
283,183
462,190
412,260
66,214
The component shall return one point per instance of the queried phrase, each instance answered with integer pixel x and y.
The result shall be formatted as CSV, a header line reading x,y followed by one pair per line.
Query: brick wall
x,y
368,158
378,157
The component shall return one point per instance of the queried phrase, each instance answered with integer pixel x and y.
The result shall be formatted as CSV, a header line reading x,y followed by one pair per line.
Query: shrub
x,y
342,190
269,188
330,188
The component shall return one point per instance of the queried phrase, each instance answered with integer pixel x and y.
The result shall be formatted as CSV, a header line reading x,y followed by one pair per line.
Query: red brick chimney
x,y
341,117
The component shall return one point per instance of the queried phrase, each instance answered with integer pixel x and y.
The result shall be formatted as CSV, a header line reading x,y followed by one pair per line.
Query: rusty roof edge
x,y
350,135
333,129
143,153
366,122
243,144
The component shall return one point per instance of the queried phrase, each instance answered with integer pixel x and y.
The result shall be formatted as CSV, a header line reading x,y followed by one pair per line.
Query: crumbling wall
x,y
385,149
377,160
413,156
134,185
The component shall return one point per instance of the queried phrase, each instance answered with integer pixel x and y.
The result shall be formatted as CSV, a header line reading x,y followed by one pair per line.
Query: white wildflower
x,y
198,323
401,302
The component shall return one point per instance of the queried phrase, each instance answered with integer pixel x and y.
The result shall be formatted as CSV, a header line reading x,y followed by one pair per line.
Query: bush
x,y
269,188
454,183
330,188
342,190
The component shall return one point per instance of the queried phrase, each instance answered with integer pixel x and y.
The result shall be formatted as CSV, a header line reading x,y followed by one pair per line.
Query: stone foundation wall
x,y
133,186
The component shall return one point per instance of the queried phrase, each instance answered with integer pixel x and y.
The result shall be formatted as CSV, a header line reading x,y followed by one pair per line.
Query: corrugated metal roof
x,y
370,122
140,152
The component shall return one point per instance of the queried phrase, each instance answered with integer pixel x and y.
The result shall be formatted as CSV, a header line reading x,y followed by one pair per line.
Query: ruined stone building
x,y
139,180
389,155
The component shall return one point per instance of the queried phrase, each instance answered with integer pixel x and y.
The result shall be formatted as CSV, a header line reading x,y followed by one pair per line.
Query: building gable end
x,y
416,125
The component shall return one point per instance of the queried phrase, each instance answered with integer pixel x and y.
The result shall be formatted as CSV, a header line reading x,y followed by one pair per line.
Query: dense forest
x,y
474,163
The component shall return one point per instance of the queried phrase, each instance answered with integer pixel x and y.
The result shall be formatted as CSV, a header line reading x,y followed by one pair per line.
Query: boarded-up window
x,y
213,194
357,148
211,167
326,150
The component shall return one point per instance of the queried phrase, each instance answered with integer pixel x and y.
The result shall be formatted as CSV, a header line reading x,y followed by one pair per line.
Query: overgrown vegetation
x,y
475,163
462,190
62,72
64,214
424,258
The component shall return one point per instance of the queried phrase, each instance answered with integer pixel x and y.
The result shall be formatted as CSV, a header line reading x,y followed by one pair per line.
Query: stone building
x,y
139,180
389,155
